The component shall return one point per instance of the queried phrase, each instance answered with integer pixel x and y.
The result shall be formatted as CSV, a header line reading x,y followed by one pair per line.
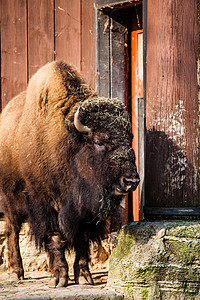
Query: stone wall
x,y
157,260
36,260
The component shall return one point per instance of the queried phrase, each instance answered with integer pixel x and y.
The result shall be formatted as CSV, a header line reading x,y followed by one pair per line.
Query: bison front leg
x,y
82,273
15,268
57,262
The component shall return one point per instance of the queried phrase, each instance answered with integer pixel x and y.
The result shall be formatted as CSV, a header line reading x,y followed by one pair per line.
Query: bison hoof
x,y
15,277
84,278
63,282
53,282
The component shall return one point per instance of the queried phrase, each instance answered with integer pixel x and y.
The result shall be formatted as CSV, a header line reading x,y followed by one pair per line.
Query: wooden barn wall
x,y
34,32
171,147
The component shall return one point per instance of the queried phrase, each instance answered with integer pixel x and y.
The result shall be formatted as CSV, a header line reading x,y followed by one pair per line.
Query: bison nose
x,y
129,183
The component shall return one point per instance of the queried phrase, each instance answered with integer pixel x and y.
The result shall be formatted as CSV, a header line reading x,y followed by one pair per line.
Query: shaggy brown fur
x,y
64,182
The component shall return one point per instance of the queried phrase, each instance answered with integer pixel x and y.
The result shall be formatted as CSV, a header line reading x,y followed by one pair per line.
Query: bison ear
x,y
71,129
68,125
43,102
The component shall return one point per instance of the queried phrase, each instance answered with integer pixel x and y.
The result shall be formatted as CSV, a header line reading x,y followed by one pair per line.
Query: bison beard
x,y
66,162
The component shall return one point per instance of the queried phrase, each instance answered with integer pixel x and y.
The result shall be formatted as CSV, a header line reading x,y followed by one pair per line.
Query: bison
x,y
66,162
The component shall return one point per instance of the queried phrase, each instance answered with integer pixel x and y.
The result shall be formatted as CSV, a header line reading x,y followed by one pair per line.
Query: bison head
x,y
103,166
109,132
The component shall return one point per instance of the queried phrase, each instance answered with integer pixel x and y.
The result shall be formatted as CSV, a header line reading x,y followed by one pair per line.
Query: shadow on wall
x,y
170,178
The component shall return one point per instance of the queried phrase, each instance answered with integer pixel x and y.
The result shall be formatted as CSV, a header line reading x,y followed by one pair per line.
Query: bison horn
x,y
78,125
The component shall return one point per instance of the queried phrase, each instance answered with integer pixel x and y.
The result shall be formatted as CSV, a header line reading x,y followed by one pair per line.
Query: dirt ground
x,y
35,286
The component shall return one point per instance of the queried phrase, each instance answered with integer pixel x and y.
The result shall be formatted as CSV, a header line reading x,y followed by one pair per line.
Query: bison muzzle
x,y
66,162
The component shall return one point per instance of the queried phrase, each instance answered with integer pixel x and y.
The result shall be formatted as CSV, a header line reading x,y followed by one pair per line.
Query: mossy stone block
x,y
157,260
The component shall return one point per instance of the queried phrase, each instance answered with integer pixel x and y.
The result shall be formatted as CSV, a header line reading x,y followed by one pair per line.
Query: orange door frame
x,y
136,93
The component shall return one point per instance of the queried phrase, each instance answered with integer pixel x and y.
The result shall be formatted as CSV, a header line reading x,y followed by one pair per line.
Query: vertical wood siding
x,y
68,31
87,41
35,32
13,49
40,34
171,171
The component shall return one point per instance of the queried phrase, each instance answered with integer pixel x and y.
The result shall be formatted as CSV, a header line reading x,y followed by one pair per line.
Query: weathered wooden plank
x,y
13,48
0,59
171,104
117,60
103,55
141,154
68,31
40,34
198,95
87,41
